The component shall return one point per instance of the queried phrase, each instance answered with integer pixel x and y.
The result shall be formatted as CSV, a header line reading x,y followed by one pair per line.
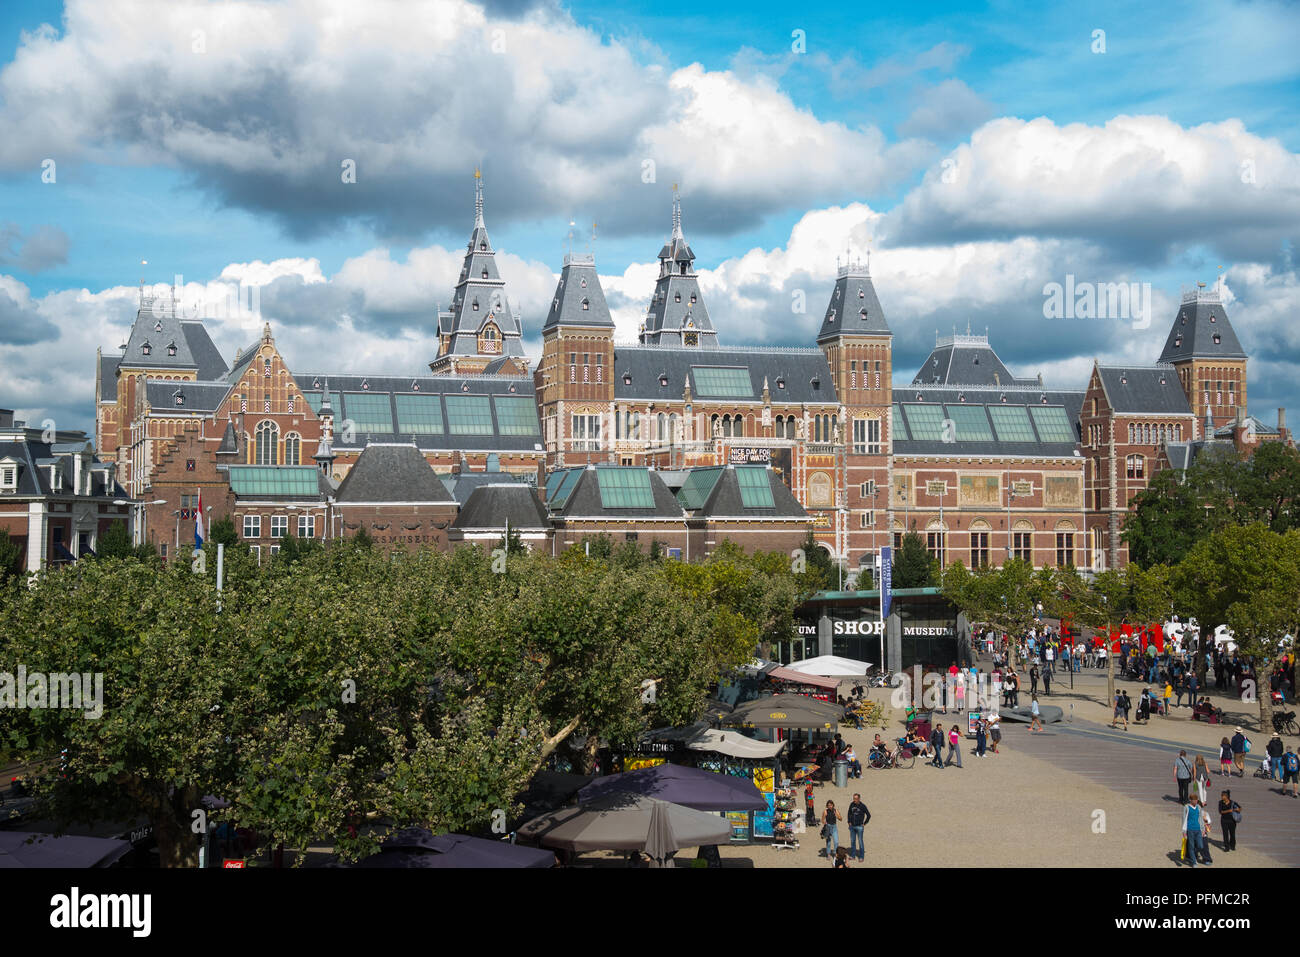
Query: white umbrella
x,y
831,666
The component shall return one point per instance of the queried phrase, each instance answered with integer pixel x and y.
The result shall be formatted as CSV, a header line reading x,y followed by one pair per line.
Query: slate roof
x,y
797,368
724,499
1183,455
677,305
229,440
966,360
1200,318
578,281
489,506
1144,389
197,396
480,294
462,486
157,326
392,473
108,377
341,386
1227,431
854,308
584,501
938,396
34,459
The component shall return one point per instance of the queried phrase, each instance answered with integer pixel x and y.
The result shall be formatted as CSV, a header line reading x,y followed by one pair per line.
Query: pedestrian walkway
x,y
1141,767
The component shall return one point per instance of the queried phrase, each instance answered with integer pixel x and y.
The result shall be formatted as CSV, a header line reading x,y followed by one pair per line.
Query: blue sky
x,y
200,141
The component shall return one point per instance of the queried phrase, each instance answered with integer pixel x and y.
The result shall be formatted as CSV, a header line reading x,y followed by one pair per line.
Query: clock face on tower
x,y
691,339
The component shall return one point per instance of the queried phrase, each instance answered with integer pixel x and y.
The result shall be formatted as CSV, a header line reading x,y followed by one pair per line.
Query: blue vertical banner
x,y
886,580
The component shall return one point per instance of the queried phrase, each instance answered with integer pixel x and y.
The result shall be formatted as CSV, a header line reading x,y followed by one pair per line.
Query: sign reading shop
x,y
873,627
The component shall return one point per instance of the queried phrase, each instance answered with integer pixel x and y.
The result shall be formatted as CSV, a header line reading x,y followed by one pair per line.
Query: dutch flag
x,y
198,523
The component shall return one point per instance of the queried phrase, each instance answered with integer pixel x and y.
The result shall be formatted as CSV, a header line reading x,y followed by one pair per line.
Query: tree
x,y
913,565
223,532
362,539
512,543
1165,522
820,572
115,542
11,558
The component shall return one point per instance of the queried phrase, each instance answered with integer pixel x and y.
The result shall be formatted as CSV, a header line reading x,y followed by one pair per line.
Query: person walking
x,y
1119,712
981,737
1201,778
995,730
1183,776
1225,757
1290,771
1033,680
936,744
1047,679
1239,752
1193,830
1036,723
1126,703
959,691
831,829
858,817
1275,749
1229,817
954,749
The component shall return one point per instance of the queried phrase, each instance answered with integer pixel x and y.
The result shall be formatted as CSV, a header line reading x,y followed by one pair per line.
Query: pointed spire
x,y
677,214
478,198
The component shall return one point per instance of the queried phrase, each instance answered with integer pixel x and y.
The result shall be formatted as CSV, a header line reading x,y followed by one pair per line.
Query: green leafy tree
x,y
223,532
914,567
512,543
115,542
11,558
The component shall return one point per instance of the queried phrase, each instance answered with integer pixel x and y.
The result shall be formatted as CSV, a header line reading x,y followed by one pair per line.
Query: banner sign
x,y
886,579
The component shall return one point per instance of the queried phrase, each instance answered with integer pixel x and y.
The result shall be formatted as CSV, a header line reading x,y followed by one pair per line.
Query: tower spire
x,y
677,214
478,197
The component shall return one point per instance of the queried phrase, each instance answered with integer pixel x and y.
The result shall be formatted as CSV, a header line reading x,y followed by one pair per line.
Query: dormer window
x,y
415,387
1178,341
474,305
780,382
8,477
677,297
863,313
1212,319
627,378
365,385
180,398
1003,397
157,326
816,382
663,380
1217,339
171,349
586,304
485,274
961,397
583,282
146,348
692,299
861,293
464,387
482,246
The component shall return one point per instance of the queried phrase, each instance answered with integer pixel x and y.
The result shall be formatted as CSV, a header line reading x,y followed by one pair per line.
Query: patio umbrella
x,y
831,665
20,849
785,711
417,847
689,787
627,822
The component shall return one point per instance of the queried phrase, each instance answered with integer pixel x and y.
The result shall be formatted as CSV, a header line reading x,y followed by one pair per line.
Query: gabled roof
x,y
1144,389
854,308
1200,319
392,473
203,350
661,372
579,299
490,506
1260,428
480,294
677,304
108,377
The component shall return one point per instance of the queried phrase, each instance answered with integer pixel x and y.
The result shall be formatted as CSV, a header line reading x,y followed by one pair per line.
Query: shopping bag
x,y
1182,855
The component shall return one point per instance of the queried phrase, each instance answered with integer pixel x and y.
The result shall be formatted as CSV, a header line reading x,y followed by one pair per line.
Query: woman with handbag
x,y
1229,818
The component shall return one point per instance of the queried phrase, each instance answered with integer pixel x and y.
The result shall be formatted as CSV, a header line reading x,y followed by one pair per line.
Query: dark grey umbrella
x,y
20,849
785,711
416,847
689,787
627,822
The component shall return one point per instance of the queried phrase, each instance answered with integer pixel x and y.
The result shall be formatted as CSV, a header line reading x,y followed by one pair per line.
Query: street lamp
x,y
137,526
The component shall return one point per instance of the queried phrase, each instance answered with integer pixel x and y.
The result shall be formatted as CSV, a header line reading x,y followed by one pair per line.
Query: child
x,y
1225,757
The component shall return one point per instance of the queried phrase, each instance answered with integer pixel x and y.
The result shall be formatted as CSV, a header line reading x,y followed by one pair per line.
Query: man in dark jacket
x,y
1275,749
858,817
1238,743
937,743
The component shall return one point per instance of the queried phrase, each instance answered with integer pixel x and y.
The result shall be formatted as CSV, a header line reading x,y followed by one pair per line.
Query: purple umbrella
x,y
27,849
689,787
418,847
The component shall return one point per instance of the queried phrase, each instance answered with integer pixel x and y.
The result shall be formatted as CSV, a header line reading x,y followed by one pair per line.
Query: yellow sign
x,y
632,764
764,779
775,715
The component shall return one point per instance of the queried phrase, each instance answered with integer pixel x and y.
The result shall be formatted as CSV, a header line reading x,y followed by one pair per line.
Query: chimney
x,y
7,418
1281,420
1241,417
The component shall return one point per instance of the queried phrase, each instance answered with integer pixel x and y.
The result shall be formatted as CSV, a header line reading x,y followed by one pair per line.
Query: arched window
x,y
268,438
661,424
292,449
1136,465
672,427
739,426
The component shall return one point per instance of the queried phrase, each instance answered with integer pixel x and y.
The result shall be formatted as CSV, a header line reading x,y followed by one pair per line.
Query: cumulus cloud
x,y
1142,184
263,104
948,109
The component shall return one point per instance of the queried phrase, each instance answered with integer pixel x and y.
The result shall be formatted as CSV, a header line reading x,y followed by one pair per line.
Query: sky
x,y
317,157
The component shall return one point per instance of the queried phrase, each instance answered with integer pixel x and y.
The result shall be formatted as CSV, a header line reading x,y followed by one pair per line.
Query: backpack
x,y
1292,762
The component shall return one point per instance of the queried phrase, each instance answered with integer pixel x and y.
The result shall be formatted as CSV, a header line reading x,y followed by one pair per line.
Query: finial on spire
x,y
572,224
478,197
677,213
